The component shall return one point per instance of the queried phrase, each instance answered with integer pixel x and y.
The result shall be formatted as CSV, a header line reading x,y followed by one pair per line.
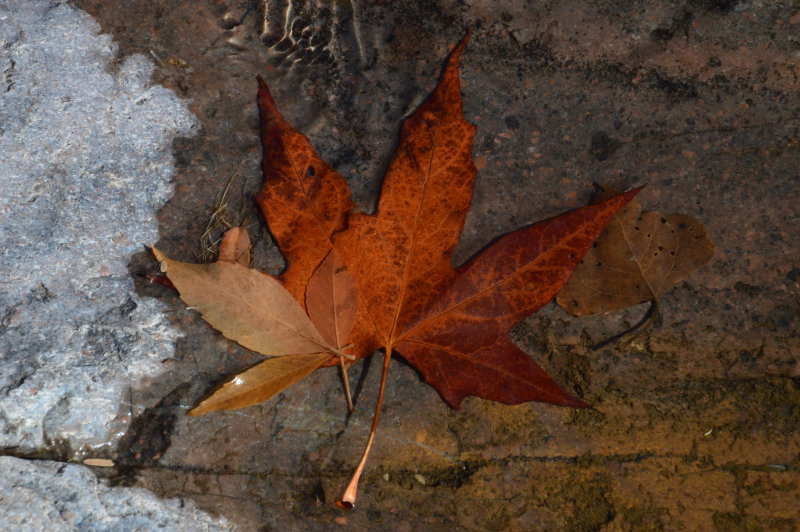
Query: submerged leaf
x,y
638,258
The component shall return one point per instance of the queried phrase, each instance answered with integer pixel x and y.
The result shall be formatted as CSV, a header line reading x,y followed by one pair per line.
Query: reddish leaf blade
x,y
501,373
303,199
332,300
160,279
405,249
468,323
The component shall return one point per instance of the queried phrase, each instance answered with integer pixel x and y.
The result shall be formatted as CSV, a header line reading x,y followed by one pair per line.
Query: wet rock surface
x,y
696,420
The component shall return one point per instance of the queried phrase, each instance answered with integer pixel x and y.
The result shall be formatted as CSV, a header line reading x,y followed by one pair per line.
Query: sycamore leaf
x,y
235,246
402,254
246,306
453,325
638,258
259,383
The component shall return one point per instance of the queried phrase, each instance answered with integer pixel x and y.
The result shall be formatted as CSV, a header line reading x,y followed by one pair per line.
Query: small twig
x,y
158,59
218,218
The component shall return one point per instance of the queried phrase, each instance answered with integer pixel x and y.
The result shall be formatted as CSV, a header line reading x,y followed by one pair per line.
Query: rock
x,y
87,162
52,496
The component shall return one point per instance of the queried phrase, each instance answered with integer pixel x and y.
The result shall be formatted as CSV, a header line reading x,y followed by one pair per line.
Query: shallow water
x,y
688,419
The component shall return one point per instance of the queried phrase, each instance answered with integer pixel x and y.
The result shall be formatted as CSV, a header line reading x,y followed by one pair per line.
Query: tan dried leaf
x,y
235,246
246,306
260,382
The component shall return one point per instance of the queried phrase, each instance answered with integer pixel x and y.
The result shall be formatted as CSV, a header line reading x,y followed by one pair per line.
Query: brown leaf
x,y
332,300
246,306
639,257
235,246
260,382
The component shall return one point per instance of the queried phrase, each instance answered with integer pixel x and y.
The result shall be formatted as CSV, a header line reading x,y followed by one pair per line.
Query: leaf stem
x,y
341,355
638,328
348,499
346,382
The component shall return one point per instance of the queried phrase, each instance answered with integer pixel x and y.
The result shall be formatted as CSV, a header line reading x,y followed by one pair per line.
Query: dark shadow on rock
x,y
150,434
603,146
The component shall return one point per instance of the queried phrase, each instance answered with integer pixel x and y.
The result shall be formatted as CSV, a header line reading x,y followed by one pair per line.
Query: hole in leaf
x,y
311,172
663,220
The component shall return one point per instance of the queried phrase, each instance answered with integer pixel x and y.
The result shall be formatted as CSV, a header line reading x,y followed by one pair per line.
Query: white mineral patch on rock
x,y
86,164
51,496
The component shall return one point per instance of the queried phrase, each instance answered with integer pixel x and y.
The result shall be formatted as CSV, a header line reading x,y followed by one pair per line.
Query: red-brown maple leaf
x,y
451,324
